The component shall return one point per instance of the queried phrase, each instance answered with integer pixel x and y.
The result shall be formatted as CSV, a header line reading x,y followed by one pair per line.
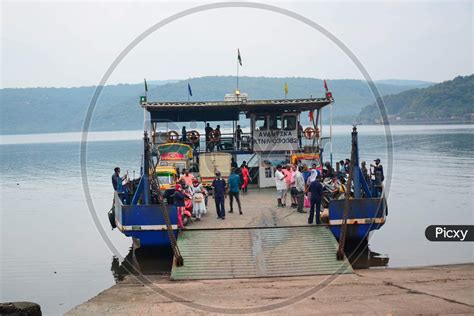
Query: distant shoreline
x,y
137,134
397,122
427,122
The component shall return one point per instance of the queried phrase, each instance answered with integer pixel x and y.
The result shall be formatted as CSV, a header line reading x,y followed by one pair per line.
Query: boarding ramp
x,y
258,252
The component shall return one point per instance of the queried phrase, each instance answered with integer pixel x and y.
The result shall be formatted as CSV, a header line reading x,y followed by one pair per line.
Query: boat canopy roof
x,y
227,110
175,148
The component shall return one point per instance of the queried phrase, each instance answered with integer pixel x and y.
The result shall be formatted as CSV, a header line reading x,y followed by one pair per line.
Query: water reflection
x,y
148,261
361,257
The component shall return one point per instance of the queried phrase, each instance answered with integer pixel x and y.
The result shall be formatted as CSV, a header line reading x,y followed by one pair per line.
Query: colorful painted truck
x,y
210,163
308,159
175,155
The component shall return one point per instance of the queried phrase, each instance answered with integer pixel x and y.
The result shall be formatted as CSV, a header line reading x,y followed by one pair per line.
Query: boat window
x,y
310,162
261,123
165,179
289,123
275,122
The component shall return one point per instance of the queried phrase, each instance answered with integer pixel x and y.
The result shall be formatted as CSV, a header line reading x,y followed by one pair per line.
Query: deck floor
x,y
259,209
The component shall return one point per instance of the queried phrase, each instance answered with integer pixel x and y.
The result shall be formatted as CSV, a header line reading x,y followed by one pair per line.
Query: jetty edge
x,y
444,289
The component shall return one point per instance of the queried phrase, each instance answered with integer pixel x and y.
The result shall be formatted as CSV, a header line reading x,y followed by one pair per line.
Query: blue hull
x,y
365,215
143,239
145,223
355,231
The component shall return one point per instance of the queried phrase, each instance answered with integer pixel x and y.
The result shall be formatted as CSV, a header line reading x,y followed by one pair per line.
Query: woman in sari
x,y
199,205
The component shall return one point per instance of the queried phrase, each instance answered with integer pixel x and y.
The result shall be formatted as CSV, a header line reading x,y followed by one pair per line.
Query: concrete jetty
x,y
426,290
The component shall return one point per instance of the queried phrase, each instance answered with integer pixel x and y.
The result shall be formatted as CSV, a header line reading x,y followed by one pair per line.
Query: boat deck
x,y
265,241
259,210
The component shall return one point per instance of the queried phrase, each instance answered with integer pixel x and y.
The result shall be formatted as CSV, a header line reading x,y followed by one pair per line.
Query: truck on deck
x,y
210,163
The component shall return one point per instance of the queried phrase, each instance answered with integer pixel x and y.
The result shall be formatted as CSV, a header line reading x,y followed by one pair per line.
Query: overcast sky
x,y
72,44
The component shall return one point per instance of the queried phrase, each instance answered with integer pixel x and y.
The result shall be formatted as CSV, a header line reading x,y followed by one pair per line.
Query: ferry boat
x,y
275,136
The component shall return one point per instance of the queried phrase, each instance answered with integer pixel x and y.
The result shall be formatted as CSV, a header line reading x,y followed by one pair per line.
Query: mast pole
x,y
237,74
144,108
330,132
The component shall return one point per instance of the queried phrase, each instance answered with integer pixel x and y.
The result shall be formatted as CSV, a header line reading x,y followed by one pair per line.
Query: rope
x,y
345,214
155,186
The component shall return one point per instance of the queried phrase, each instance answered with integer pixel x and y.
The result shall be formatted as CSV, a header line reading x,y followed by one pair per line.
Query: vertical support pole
x,y
356,169
146,168
330,132
237,74
320,141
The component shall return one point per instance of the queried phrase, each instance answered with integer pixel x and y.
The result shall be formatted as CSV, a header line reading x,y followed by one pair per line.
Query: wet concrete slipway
x,y
423,290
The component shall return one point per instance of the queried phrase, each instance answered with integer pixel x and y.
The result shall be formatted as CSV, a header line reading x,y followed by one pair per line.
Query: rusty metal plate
x,y
258,252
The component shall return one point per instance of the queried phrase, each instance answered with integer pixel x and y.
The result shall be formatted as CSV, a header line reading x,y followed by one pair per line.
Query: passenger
x,y
316,190
280,186
245,176
299,186
179,197
117,181
306,173
341,166
339,170
184,138
199,205
347,165
312,177
300,134
217,143
365,172
238,137
328,171
219,186
234,186
208,131
233,164
288,180
378,176
378,171
187,178
342,188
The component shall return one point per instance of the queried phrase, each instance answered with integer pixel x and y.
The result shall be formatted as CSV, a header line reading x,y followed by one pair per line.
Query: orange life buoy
x,y
309,133
193,136
173,136
215,136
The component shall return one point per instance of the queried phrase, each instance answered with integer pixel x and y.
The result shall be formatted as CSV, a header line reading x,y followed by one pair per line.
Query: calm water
x,y
51,252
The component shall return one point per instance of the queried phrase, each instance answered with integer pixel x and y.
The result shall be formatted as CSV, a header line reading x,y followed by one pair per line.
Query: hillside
x,y
449,101
46,110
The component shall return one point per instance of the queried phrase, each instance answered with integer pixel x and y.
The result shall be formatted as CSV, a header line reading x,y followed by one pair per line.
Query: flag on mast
x,y
311,116
238,57
326,85
190,92
146,86
285,88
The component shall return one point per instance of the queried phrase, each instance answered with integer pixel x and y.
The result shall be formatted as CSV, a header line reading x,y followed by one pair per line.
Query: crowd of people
x,y
191,197
306,185
214,139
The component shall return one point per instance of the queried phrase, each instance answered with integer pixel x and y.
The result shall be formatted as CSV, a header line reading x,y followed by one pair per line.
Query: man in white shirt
x,y
281,186
299,185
